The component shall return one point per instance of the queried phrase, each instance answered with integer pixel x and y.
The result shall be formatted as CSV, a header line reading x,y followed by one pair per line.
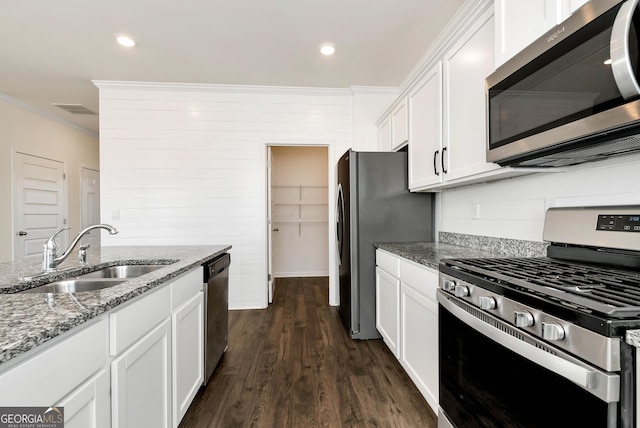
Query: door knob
x,y
275,229
22,233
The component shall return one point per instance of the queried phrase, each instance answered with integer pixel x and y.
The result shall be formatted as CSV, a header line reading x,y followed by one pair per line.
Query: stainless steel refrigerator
x,y
373,205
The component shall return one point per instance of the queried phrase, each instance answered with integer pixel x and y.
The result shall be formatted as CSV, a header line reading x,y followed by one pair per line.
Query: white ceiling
x,y
51,50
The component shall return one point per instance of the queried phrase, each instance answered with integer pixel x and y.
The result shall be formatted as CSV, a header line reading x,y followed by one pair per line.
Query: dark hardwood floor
x,y
293,365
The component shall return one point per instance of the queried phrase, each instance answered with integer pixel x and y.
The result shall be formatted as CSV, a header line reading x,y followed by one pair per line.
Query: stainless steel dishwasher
x,y
216,314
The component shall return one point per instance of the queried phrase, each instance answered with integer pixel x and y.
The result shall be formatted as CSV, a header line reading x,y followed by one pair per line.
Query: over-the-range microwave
x,y
572,96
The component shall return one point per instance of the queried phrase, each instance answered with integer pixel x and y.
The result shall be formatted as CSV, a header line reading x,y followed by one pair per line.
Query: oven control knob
x,y
522,319
461,291
448,285
487,302
552,331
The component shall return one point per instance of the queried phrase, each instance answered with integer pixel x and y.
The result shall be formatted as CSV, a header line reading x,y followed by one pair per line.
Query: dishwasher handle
x,y
216,266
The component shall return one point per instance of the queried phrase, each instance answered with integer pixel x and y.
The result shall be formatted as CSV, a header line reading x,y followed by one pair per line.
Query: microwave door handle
x,y
620,51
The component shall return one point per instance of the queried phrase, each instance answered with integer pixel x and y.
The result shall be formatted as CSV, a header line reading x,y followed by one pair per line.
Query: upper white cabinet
x,y
464,68
384,135
399,125
518,23
393,129
425,130
447,120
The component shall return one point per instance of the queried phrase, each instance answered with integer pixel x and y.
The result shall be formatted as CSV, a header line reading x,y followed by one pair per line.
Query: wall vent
x,y
73,108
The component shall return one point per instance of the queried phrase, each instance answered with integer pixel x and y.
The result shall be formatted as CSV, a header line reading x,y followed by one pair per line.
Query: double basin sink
x,y
97,280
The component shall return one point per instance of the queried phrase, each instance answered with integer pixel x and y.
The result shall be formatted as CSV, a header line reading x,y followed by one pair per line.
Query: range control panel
x,y
618,222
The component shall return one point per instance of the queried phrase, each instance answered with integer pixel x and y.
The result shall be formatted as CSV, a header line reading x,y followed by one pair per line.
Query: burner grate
x,y
605,290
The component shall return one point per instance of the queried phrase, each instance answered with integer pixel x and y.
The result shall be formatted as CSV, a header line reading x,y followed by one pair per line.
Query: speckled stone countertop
x,y
632,337
28,320
462,246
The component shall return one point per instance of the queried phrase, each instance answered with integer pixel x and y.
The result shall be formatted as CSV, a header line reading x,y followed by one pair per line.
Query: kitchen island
x,y
28,320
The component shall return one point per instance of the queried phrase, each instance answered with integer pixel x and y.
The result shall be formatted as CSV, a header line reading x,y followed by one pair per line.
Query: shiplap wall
x,y
515,208
185,164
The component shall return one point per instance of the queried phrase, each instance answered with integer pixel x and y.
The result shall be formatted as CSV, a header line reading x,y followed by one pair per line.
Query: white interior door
x,y
270,229
39,203
91,205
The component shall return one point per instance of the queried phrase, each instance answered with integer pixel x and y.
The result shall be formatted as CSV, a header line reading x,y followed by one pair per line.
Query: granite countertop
x,y
28,320
430,253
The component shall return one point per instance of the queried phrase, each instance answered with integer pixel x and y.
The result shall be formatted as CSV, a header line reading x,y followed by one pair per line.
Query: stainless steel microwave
x,y
572,96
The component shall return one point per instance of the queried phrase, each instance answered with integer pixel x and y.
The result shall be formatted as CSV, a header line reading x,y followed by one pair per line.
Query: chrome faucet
x,y
51,260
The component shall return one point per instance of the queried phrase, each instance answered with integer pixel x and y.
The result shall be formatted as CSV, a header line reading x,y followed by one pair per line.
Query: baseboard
x,y
300,274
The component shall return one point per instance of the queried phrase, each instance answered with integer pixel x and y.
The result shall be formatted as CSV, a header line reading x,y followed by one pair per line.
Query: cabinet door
x,y
419,342
140,382
384,135
187,356
465,68
570,6
88,405
388,309
399,125
518,23
425,130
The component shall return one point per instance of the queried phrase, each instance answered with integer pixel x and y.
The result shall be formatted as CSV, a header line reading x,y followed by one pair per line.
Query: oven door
x,y
492,374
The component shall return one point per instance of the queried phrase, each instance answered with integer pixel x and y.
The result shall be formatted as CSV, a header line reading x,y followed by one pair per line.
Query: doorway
x,y
90,203
298,205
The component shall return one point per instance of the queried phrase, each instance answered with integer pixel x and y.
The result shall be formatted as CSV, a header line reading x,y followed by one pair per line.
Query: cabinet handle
x,y
435,159
444,171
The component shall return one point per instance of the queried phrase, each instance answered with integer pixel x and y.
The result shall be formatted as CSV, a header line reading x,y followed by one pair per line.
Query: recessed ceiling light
x,y
125,40
327,48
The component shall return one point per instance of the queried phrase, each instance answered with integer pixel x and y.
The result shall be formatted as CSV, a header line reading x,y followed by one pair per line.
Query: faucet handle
x,y
51,242
82,254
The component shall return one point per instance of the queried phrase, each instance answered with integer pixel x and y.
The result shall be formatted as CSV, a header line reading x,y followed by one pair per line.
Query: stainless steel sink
x,y
74,286
122,271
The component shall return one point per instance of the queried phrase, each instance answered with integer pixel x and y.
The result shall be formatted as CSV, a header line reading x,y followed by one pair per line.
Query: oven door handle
x,y
601,384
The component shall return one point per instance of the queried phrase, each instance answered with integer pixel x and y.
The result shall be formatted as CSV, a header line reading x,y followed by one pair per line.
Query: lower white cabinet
x,y
140,382
187,354
63,373
88,405
387,309
407,319
419,319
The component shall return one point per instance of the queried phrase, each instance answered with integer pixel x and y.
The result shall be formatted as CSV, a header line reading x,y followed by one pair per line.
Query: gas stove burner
x,y
609,291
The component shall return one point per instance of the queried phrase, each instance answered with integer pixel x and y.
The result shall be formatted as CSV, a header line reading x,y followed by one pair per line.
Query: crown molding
x,y
213,87
48,115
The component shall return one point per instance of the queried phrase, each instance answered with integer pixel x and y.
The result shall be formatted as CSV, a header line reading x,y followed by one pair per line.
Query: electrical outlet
x,y
475,210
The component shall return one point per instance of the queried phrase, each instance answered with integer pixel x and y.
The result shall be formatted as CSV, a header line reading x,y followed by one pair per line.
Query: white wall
x,y
300,249
26,130
369,103
185,164
515,208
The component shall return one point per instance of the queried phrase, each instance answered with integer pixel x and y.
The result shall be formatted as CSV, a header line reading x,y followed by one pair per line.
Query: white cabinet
x,y
393,128
140,382
384,134
388,300
447,120
519,23
399,125
419,327
57,374
465,67
88,405
425,130
187,327
407,319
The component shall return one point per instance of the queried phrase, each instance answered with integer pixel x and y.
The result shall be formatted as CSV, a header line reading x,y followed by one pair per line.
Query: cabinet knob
x,y
22,233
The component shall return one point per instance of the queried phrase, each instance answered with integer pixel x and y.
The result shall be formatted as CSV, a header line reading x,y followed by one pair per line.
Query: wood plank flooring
x,y
293,365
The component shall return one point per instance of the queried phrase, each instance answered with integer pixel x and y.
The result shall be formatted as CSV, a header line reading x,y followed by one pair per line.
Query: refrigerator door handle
x,y
340,223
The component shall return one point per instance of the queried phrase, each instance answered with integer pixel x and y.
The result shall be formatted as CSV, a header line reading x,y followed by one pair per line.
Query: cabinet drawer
x,y
135,320
185,287
420,278
53,373
387,262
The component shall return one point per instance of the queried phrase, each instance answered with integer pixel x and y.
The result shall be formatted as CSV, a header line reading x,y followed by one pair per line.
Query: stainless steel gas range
x,y
540,341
